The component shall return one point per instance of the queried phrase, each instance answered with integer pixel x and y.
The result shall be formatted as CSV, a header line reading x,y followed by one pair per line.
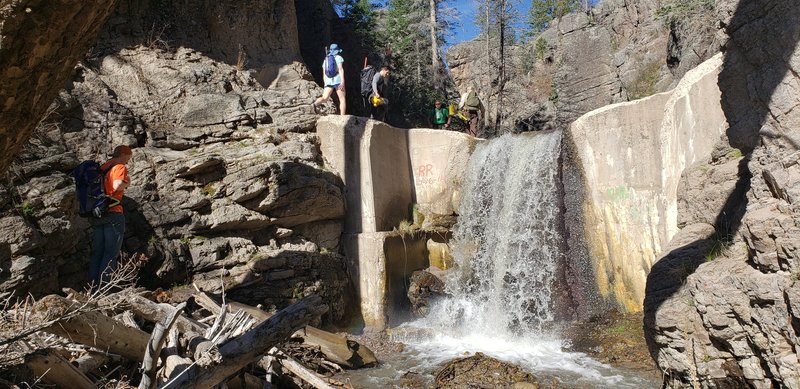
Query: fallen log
x,y
90,361
154,346
247,348
212,305
155,312
299,370
337,348
92,328
56,370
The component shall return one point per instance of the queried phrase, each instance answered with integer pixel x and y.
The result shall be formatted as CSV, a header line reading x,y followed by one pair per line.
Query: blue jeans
x,y
107,233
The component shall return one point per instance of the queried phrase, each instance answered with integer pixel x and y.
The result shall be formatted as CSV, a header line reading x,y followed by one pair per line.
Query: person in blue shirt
x,y
333,79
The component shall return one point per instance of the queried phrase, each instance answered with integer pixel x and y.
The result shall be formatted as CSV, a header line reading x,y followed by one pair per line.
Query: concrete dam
x,y
612,213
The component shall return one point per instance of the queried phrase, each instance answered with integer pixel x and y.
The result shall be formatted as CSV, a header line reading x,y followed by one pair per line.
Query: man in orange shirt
x,y
108,230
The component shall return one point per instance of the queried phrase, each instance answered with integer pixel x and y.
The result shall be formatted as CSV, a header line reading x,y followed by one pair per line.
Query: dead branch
x,y
299,370
154,346
155,312
247,348
54,369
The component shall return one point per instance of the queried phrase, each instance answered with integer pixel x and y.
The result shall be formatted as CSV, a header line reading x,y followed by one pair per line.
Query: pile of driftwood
x,y
203,342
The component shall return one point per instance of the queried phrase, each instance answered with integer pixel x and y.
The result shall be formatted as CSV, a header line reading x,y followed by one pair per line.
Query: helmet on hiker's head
x,y
334,49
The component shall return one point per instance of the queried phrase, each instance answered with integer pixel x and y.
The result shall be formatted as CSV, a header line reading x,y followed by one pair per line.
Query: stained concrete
x,y
386,170
630,157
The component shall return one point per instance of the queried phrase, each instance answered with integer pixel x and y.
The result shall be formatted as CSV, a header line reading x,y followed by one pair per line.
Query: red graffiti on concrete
x,y
425,170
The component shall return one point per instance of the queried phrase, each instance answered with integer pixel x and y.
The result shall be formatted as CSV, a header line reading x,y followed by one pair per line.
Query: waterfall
x,y
507,242
507,246
506,289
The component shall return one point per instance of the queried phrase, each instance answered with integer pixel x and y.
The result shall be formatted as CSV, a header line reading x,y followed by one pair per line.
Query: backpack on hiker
x,y
90,189
472,102
331,67
367,74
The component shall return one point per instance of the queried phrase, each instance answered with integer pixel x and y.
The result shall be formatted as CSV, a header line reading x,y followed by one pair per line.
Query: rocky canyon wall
x,y
228,189
722,308
40,43
617,51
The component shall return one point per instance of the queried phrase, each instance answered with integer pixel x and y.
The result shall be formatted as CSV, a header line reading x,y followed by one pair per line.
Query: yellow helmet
x,y
376,101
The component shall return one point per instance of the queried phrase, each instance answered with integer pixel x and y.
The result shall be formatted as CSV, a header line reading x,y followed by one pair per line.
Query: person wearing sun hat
x,y
333,77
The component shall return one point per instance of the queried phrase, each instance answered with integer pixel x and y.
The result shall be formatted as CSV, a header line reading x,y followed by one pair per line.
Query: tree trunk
x,y
154,346
93,329
488,89
434,44
502,69
54,369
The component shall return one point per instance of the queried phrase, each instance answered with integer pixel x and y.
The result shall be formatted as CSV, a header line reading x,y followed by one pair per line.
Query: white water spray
x,y
507,246
506,242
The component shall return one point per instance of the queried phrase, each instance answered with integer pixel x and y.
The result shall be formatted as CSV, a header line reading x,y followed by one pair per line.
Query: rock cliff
x,y
40,43
227,182
722,303
617,51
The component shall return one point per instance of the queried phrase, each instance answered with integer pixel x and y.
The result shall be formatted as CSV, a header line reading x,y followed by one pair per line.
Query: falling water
x,y
506,243
508,247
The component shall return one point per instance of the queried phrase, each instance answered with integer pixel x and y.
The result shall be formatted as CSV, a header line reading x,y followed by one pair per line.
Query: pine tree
x,y
494,18
542,12
361,16
414,33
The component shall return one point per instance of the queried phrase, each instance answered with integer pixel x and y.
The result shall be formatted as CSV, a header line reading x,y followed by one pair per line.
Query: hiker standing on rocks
x,y
333,77
380,90
474,108
108,230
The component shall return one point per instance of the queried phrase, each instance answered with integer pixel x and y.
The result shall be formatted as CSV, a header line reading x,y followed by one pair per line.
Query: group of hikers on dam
x,y
375,96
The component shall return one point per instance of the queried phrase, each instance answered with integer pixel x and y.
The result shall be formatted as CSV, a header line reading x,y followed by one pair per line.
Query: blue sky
x,y
468,29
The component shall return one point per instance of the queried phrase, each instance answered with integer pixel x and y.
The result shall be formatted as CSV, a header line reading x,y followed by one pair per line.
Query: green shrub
x,y
645,84
26,209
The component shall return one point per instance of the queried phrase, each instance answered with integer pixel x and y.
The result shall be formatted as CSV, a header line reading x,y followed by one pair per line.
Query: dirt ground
x,y
613,338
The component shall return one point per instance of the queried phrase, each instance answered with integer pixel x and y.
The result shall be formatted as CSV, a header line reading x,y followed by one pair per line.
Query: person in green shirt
x,y
438,116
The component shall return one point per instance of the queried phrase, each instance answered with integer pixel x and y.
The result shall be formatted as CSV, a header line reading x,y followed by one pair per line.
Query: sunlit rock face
x,y
616,51
721,307
624,165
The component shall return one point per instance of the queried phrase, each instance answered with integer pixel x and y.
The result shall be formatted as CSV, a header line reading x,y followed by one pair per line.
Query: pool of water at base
x,y
544,358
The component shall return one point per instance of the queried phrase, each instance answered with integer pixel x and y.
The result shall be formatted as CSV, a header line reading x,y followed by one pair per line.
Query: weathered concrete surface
x,y
387,169
438,159
631,157
371,158
379,264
